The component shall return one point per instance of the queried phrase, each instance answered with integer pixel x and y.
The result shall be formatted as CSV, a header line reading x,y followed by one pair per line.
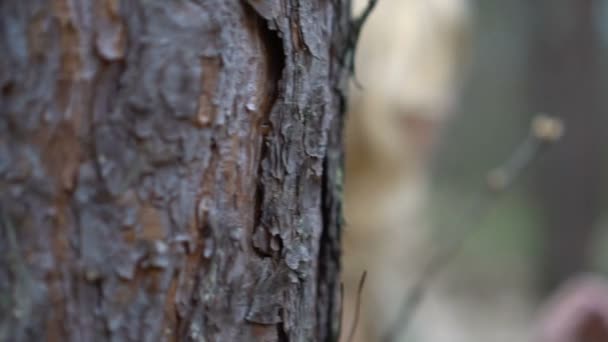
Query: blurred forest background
x,y
527,57
530,57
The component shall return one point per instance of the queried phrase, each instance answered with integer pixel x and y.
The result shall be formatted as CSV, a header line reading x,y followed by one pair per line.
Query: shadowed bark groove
x,y
170,170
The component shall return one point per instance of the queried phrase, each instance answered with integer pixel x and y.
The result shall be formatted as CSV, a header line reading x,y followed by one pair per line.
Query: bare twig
x,y
353,327
544,130
353,38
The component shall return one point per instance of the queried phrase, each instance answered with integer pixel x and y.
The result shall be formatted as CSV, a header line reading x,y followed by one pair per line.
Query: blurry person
x,y
409,61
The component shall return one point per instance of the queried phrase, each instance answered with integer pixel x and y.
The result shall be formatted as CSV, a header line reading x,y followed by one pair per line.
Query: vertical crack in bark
x,y
184,324
274,53
329,251
197,257
282,335
329,304
112,222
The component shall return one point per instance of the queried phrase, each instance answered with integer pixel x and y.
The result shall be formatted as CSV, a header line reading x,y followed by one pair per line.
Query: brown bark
x,y
169,170
566,74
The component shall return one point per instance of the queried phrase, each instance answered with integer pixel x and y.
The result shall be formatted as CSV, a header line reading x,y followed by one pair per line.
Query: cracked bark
x,y
170,170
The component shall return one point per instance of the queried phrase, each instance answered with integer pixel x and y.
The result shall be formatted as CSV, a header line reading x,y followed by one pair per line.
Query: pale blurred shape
x,y
409,61
578,312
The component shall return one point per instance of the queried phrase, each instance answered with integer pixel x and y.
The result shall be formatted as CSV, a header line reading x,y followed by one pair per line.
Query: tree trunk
x,y
170,170
566,77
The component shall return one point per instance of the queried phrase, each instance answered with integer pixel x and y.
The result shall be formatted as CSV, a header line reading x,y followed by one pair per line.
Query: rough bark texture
x,y
170,170
567,78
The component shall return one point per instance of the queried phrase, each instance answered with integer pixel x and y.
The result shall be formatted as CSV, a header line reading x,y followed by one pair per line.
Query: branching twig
x,y
544,130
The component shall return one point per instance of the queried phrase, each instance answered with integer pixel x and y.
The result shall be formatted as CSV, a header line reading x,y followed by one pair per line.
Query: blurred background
x,y
530,57
525,57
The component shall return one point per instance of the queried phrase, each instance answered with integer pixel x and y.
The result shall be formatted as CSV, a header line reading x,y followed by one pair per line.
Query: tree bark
x,y
170,170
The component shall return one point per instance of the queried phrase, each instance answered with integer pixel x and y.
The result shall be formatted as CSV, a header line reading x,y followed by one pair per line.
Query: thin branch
x,y
353,38
544,130
353,327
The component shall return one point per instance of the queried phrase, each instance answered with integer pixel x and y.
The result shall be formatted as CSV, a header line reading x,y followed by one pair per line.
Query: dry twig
x,y
353,327
544,130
